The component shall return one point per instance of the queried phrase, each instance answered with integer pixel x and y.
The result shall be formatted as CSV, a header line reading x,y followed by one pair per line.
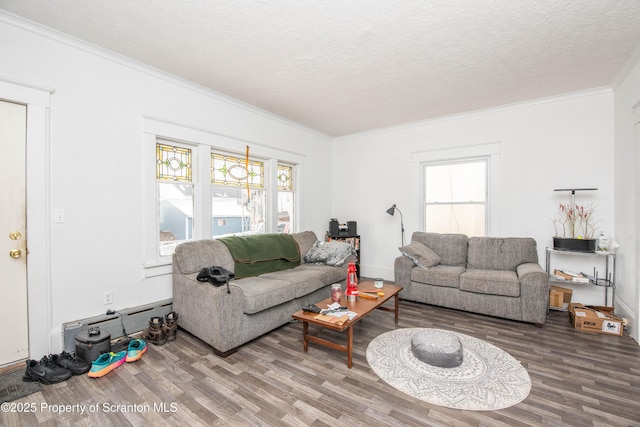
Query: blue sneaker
x,y
136,349
106,363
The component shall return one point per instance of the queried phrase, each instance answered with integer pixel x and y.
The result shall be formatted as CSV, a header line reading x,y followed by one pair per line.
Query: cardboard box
x,y
603,308
559,298
591,320
555,299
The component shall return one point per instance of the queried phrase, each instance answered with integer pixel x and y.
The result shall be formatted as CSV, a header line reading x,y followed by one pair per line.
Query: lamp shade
x,y
393,210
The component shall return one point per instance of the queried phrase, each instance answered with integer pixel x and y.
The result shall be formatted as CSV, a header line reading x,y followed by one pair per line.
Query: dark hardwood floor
x,y
578,379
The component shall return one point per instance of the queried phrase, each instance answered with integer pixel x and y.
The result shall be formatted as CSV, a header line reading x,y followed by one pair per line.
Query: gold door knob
x,y
15,253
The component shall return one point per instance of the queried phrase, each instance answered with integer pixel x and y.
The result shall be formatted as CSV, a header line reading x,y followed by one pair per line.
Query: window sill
x,y
154,269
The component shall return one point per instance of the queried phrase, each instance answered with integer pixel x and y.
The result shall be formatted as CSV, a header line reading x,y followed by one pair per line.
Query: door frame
x,y
37,100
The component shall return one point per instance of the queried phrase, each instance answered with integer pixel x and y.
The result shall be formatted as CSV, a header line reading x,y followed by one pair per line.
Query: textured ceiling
x,y
345,66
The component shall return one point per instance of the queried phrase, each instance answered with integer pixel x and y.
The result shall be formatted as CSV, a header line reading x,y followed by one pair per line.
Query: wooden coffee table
x,y
362,306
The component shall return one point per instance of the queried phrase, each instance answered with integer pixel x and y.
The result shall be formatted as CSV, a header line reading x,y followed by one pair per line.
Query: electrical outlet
x,y
108,297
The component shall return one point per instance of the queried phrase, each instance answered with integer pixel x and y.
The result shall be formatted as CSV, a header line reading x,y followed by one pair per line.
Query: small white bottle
x,y
603,243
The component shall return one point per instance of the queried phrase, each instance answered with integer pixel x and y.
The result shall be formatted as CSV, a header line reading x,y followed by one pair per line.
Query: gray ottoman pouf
x,y
437,348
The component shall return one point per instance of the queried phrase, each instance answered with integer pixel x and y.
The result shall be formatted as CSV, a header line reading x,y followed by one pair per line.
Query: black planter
x,y
576,245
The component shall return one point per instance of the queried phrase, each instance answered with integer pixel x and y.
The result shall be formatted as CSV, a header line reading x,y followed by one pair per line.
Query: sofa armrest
x,y
534,291
531,271
402,271
209,312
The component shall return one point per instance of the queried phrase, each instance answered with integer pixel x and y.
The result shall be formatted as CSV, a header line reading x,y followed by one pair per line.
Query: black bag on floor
x,y
216,275
92,343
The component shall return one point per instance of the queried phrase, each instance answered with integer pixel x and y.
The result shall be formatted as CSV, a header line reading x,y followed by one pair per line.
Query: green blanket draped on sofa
x,y
262,253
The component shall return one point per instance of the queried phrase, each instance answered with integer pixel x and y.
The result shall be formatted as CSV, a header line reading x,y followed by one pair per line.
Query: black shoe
x,y
45,371
72,363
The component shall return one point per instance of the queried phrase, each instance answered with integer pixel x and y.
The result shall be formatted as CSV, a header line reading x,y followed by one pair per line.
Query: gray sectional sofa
x,y
255,305
488,275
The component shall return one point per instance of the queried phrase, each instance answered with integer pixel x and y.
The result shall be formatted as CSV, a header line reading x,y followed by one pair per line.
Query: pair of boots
x,y
162,330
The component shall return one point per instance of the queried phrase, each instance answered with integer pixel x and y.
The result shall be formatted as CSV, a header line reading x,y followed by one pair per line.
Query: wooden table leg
x,y
350,347
396,308
305,335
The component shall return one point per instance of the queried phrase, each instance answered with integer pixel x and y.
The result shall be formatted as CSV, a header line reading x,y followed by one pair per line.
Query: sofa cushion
x,y
493,282
440,275
332,253
329,274
451,248
193,256
261,293
497,253
421,255
302,281
305,240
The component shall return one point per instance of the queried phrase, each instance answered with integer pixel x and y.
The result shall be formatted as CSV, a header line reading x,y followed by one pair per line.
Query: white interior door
x,y
13,244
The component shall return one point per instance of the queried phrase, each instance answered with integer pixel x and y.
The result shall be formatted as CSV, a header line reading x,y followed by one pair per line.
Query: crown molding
x,y
632,60
76,43
490,110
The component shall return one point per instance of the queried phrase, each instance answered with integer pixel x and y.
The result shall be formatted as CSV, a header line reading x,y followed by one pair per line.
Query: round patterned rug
x,y
488,378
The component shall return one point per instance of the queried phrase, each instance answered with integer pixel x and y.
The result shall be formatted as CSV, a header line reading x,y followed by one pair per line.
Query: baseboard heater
x,y
133,320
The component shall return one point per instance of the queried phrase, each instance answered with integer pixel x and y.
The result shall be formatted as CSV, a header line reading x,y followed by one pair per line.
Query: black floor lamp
x,y
391,211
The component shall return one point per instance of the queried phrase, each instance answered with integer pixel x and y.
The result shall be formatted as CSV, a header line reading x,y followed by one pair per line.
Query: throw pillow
x,y
330,253
421,255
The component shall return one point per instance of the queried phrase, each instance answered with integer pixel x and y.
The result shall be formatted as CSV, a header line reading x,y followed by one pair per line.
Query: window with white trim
x,y
286,194
238,196
184,188
455,197
175,189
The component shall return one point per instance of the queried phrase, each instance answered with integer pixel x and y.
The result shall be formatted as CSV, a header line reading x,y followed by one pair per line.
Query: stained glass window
x,y
173,163
285,178
235,171
286,208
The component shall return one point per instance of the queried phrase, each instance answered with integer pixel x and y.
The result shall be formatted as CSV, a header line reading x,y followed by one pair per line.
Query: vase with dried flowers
x,y
575,228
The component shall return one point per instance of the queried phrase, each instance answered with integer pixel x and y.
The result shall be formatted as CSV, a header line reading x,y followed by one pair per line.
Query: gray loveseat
x,y
255,305
488,275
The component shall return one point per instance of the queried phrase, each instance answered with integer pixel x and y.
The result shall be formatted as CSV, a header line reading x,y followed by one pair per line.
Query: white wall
x,y
627,191
95,163
562,142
